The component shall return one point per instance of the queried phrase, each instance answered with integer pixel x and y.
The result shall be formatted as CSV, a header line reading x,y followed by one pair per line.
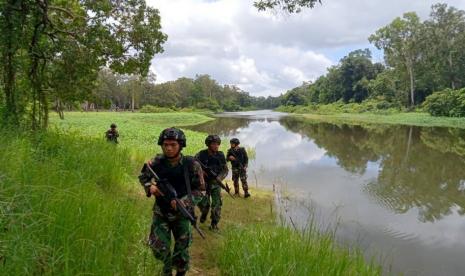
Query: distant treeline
x,y
115,91
421,58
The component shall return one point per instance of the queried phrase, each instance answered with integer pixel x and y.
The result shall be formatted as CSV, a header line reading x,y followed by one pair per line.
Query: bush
x,y
65,210
448,103
155,109
371,105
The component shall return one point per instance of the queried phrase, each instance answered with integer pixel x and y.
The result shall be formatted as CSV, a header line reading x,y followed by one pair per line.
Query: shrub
x,y
448,103
155,109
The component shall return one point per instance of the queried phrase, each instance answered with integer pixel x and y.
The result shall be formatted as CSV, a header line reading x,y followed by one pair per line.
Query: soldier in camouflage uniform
x,y
186,176
112,134
215,160
239,162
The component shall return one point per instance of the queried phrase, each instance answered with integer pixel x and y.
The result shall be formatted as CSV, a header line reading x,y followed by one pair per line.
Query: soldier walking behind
x,y
214,160
239,162
112,134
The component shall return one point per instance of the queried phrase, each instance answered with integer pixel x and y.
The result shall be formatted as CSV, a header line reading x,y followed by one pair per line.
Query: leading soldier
x,y
186,177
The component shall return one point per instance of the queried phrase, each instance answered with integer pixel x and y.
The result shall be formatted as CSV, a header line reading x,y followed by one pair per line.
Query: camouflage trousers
x,y
160,240
239,173
214,200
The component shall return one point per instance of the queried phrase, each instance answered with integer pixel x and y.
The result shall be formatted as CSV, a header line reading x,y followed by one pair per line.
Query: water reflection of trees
x,y
419,168
222,126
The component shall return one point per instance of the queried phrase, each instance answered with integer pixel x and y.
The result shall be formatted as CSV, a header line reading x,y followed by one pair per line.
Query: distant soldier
x,y
214,160
186,176
239,162
112,134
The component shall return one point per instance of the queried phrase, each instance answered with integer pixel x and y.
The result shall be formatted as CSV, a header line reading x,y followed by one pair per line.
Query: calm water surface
x,y
398,192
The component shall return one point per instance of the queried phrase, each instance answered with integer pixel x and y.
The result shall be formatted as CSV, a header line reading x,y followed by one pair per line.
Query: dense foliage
x,y
420,58
116,91
52,51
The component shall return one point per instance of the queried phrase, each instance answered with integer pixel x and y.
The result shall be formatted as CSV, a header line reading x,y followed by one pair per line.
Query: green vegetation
x,y
261,250
290,6
70,204
411,118
66,208
449,103
138,131
52,51
421,58
118,91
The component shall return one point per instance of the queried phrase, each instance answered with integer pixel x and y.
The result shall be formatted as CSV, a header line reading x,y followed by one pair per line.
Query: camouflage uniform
x,y
112,135
165,219
239,168
216,162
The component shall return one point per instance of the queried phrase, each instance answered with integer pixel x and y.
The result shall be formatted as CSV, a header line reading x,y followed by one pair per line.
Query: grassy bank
x,y
368,114
70,204
138,131
254,243
65,208
415,119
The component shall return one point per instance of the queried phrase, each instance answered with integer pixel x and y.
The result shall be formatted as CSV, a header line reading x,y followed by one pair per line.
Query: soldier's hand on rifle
x,y
155,191
232,158
173,204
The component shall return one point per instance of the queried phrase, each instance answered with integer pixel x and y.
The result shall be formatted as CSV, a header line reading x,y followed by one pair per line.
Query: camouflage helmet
x,y
234,141
113,125
173,134
212,139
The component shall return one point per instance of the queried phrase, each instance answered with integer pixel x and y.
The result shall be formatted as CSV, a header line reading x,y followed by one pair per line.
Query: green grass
x,y
70,204
368,113
413,118
138,131
65,208
280,250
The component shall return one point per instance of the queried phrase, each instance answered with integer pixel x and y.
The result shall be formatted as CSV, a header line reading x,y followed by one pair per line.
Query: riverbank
x,y
71,205
411,118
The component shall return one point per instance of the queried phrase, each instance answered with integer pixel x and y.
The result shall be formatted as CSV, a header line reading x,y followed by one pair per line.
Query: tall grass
x,y
138,131
271,248
64,209
280,250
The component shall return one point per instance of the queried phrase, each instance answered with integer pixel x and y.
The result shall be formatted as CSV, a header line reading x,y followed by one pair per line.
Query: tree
x,y
356,69
290,6
445,32
402,46
53,49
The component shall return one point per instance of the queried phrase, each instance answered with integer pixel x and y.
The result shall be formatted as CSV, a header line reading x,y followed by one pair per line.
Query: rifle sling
x,y
187,180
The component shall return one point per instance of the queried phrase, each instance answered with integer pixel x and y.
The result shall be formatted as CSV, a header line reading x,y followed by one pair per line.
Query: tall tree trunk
x,y
452,75
412,84
9,70
132,101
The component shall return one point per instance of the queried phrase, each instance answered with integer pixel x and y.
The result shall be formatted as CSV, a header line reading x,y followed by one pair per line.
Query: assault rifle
x,y
170,193
237,159
210,172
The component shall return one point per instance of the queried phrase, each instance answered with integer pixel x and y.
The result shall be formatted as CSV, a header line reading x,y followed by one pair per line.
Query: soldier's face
x,y
233,145
170,148
214,147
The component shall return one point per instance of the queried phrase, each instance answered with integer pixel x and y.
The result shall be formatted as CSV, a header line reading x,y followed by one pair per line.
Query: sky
x,y
268,53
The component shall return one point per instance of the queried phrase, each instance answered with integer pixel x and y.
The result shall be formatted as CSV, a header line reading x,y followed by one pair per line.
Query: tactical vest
x,y
175,176
216,161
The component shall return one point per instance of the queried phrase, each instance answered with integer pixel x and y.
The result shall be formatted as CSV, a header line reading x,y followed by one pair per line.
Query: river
x,y
396,192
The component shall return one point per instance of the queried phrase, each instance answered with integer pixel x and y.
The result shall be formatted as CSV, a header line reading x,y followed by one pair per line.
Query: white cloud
x,y
266,53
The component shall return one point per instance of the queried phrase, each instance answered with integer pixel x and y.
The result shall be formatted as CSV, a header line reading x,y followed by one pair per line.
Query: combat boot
x,y
214,227
180,273
203,217
246,195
